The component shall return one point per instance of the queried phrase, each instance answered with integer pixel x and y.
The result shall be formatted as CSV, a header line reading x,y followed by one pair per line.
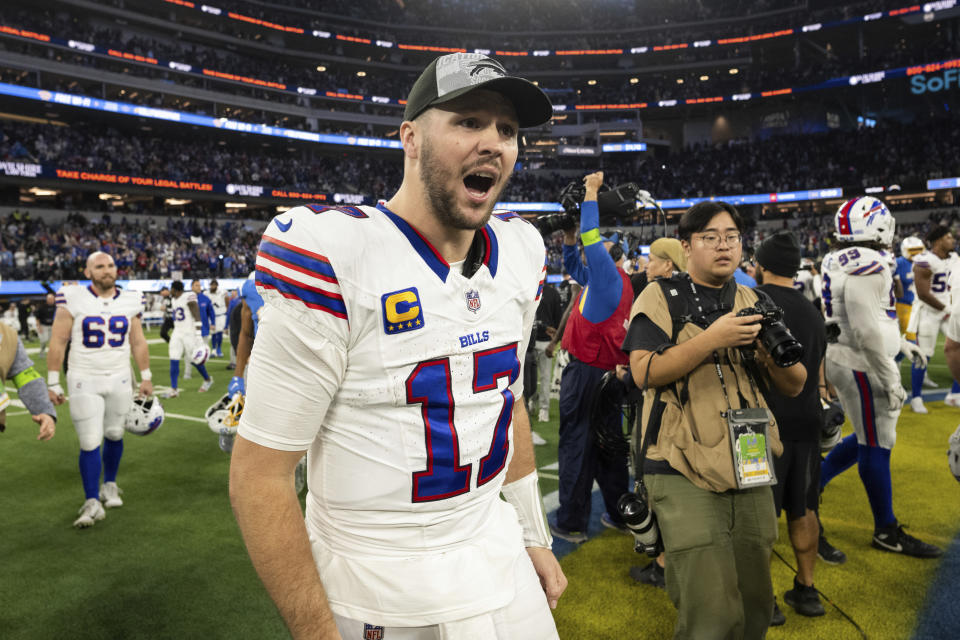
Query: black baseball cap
x,y
450,76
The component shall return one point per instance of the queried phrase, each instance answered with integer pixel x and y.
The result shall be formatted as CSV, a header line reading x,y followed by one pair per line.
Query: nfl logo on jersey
x,y
371,632
473,300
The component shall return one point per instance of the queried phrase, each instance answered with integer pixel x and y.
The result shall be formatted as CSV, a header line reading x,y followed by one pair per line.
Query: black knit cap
x,y
455,74
780,254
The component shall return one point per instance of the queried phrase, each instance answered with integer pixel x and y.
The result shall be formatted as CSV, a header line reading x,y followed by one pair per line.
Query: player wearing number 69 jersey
x,y
102,324
390,349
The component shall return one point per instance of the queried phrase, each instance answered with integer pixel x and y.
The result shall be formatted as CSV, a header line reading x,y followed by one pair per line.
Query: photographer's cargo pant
x,y
718,549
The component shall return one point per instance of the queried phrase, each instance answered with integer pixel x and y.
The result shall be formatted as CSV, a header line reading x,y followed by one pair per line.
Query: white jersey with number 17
x,y
399,374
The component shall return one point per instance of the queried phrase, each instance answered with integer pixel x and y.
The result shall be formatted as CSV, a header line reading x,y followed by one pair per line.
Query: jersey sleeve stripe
x,y
310,296
310,263
266,257
871,268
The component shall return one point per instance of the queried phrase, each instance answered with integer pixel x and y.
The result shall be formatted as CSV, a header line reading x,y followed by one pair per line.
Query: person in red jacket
x,y
593,335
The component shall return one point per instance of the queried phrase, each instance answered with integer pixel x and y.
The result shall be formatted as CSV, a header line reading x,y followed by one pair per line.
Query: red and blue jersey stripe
x,y
299,274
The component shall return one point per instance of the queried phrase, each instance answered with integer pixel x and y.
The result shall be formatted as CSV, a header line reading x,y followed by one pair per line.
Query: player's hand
x,y
896,396
146,388
236,386
912,351
592,182
56,394
48,426
731,330
551,575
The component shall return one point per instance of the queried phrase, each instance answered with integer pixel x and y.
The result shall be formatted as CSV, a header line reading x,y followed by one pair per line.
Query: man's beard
x,y
442,200
103,283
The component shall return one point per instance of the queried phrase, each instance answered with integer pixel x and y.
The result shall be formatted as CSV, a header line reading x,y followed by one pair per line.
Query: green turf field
x,y
170,562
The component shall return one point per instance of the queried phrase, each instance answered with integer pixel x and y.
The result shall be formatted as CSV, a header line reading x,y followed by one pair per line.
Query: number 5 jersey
x,y
399,375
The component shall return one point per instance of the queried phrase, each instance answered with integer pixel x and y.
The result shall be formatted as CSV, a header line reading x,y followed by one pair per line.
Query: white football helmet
x,y
953,454
223,417
911,246
144,417
200,353
864,219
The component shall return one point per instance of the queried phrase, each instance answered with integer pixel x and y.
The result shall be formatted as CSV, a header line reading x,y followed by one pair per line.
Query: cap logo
x,y
460,70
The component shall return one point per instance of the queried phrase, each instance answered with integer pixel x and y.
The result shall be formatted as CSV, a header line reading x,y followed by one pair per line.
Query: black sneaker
x,y
778,618
804,600
576,537
651,574
828,553
896,540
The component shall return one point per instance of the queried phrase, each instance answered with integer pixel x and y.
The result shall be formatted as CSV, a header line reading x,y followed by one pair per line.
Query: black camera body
x,y
642,522
774,335
614,204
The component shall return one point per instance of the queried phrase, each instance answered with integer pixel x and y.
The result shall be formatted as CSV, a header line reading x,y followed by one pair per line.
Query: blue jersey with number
x,y
400,375
904,272
99,339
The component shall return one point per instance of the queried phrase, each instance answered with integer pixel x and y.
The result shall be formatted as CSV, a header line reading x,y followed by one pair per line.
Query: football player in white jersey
x,y
863,340
804,282
930,314
185,338
102,324
218,299
390,349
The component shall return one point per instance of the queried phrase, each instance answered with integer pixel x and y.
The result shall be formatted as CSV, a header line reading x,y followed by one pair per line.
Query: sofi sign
x,y
932,83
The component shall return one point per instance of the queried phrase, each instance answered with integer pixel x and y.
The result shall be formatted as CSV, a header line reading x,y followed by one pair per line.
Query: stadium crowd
x,y
31,249
911,153
808,68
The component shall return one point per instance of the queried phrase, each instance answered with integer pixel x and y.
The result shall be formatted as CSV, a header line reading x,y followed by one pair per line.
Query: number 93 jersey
x,y
99,339
857,296
400,374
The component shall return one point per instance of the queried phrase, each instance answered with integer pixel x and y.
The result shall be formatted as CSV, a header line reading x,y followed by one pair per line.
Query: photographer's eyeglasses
x,y
712,240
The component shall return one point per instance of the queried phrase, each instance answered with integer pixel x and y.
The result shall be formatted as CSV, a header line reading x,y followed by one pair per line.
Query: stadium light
x,y
591,82
679,80
235,205
704,78
321,68
37,191
734,71
634,80
361,74
176,202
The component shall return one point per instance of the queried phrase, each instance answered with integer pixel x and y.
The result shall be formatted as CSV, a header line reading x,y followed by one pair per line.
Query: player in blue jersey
x,y
910,247
207,314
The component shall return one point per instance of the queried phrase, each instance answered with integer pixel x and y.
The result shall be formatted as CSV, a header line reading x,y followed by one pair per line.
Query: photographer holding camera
x,y
593,335
708,437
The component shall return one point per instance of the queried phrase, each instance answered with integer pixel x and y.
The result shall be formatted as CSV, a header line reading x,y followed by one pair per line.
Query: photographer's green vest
x,y
690,431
